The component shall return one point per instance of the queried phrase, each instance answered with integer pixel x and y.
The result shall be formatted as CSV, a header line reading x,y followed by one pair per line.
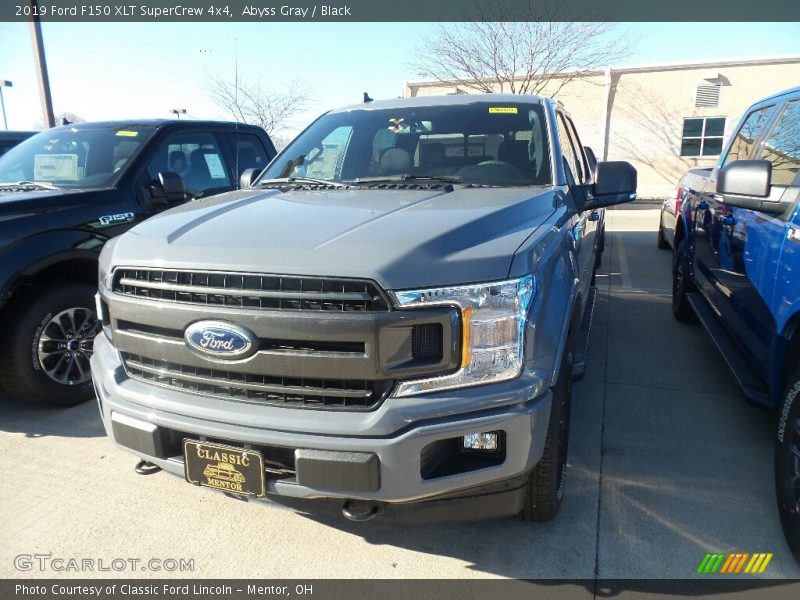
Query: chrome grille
x,y
273,292
337,394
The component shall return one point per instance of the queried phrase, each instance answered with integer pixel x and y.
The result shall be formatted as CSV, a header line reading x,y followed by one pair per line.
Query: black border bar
x,y
419,11
744,588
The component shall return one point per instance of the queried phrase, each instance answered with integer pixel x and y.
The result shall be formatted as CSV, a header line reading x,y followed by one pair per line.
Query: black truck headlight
x,y
493,317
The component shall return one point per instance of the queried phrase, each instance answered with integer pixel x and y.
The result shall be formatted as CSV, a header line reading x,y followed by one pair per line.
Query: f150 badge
x,y
220,339
118,218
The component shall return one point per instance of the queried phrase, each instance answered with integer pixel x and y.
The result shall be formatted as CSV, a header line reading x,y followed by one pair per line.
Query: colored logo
x,y
735,563
220,339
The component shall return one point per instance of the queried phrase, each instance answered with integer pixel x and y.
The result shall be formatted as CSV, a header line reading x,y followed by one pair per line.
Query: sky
x,y
103,71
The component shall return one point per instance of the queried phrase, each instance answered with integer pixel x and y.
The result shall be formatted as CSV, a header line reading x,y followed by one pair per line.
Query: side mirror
x,y
748,184
614,183
167,188
172,186
247,178
745,178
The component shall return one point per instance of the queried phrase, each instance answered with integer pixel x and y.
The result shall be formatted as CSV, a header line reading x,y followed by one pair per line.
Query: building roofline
x,y
674,66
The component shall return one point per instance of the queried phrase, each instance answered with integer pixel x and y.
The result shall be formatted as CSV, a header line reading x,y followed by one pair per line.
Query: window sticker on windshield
x,y
55,167
125,133
502,110
215,167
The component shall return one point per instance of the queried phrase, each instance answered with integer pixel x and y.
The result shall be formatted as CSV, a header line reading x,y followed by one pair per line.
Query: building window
x,y
702,136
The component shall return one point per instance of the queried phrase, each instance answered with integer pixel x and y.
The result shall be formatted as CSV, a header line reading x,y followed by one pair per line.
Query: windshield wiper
x,y
28,184
300,181
407,178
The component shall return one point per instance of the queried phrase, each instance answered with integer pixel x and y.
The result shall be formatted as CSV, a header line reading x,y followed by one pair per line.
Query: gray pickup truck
x,y
390,317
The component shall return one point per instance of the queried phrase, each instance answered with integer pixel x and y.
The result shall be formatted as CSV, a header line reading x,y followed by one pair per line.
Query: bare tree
x,y
250,102
518,48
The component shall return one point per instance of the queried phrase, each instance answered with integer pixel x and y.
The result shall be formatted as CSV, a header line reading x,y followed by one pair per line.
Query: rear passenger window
x,y
782,147
746,137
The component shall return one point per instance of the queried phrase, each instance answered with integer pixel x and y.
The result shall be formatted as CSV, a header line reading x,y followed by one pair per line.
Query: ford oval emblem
x,y
220,339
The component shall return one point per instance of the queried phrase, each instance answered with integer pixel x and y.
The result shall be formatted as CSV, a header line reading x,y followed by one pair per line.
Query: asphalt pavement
x,y
667,463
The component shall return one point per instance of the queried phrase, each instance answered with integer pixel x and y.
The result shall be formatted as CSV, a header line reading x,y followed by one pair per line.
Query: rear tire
x,y
49,336
663,244
681,286
548,479
787,464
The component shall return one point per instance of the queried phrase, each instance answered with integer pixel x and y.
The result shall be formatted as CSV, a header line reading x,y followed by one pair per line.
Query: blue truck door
x,y
732,257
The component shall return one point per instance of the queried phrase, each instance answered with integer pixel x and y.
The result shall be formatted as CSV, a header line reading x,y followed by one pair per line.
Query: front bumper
x,y
396,467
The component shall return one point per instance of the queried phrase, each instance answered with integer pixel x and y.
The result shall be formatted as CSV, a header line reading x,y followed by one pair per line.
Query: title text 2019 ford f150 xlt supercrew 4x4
x,y
392,314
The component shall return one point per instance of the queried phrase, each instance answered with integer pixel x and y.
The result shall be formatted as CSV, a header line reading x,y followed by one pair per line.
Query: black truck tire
x,y
49,334
787,463
681,286
548,479
663,244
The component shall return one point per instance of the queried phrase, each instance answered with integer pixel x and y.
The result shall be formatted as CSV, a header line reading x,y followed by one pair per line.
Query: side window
x,y
750,131
782,147
250,152
326,162
572,162
197,158
578,148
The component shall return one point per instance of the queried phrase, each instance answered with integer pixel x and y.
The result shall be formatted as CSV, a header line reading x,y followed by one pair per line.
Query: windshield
x,y
503,144
73,157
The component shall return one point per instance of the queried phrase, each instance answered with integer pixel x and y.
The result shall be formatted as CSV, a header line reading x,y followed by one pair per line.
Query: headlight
x,y
493,317
104,279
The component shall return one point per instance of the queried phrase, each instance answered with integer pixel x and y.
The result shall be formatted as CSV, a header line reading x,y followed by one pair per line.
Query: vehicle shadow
x,y
81,421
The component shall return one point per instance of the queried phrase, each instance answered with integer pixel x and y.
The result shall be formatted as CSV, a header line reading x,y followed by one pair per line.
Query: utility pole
x,y
41,65
4,83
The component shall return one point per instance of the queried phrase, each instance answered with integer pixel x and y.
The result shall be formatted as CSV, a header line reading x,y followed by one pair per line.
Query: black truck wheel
x,y
49,336
681,286
787,464
663,244
548,479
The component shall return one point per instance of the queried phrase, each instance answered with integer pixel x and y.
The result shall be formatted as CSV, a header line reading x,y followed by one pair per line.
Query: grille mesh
x,y
274,292
337,394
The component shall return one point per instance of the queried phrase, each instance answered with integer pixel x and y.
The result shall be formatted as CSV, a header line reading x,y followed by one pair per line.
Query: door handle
x,y
702,205
594,216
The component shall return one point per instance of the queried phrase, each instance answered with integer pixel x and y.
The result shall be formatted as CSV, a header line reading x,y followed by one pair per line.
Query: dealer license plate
x,y
224,468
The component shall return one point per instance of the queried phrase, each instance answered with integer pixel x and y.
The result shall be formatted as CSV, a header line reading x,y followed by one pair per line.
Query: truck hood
x,y
12,203
400,238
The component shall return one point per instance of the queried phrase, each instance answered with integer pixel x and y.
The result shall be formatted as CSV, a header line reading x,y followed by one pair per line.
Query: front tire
x,y
787,464
547,481
49,334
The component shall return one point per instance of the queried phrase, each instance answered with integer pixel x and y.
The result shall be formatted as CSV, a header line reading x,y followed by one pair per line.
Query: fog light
x,y
480,441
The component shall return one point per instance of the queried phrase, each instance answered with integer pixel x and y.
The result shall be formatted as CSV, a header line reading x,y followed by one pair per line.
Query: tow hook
x,y
146,468
361,510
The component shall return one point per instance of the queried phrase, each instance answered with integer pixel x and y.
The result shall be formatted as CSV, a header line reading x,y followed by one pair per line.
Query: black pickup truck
x,y
63,193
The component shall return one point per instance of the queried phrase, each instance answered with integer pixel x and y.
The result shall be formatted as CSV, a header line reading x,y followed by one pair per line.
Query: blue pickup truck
x,y
736,269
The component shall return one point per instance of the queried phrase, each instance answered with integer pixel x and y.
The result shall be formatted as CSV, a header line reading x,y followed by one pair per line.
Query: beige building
x,y
664,119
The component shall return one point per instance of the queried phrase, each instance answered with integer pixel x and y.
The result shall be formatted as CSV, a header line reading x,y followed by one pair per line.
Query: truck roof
x,y
444,100
791,90
152,123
